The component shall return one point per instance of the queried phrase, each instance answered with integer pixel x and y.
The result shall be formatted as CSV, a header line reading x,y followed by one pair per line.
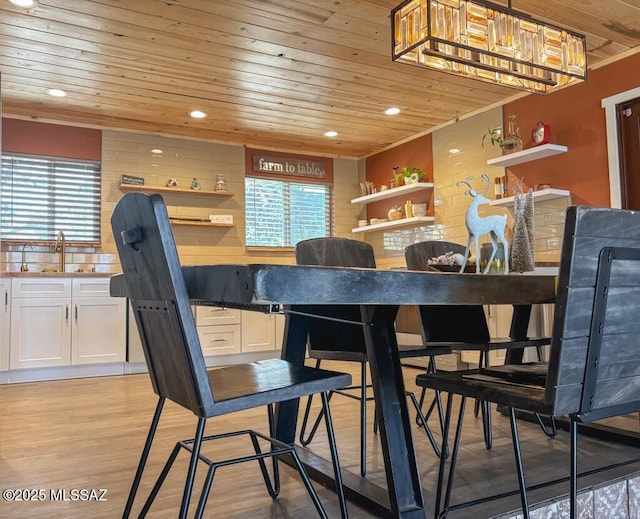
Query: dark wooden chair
x,y
594,365
463,328
155,286
345,343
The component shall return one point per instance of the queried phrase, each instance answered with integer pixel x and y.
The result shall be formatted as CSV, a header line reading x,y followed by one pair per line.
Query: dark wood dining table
x,y
301,292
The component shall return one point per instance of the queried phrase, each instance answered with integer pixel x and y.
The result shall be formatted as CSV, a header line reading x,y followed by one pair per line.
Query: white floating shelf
x,y
538,196
390,193
403,222
535,153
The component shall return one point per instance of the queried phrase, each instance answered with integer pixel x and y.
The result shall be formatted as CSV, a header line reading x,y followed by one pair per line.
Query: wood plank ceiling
x,y
270,73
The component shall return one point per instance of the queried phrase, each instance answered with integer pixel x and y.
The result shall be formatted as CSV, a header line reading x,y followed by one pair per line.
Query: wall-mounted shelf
x,y
390,193
520,157
176,190
538,196
195,223
392,224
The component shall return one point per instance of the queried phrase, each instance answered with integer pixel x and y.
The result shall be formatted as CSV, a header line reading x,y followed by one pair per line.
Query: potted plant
x,y
494,135
508,143
409,175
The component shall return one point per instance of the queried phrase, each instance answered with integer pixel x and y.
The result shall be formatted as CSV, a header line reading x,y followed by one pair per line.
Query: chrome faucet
x,y
23,264
60,247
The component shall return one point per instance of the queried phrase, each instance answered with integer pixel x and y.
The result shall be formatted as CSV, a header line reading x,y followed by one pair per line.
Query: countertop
x,y
36,273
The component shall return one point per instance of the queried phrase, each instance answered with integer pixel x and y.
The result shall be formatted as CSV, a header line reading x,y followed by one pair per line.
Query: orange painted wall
x,y
577,121
54,140
379,167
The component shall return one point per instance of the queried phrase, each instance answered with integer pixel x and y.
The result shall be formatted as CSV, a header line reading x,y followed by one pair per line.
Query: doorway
x,y
628,119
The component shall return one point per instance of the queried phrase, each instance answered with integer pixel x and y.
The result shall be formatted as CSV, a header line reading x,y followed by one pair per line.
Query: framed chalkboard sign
x,y
136,181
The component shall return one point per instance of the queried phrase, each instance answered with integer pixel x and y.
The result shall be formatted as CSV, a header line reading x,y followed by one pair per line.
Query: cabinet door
x,y
258,332
99,330
279,320
5,323
40,332
220,340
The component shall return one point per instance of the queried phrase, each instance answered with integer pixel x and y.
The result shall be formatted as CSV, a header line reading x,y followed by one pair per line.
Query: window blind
x,y
40,196
282,213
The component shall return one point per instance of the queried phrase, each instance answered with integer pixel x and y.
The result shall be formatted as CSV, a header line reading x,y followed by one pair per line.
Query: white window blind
x,y
281,213
41,196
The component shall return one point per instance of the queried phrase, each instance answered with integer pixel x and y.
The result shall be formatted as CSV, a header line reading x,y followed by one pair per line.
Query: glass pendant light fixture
x,y
486,41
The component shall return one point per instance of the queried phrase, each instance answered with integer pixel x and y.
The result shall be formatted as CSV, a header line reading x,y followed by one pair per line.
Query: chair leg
x,y
363,419
441,468
574,469
485,407
334,456
551,433
308,485
486,424
305,419
423,422
441,512
206,488
160,480
519,468
143,458
193,463
274,459
273,488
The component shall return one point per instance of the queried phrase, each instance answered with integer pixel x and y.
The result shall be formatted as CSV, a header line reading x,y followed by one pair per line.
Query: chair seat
x,y
260,383
346,355
480,384
410,351
497,343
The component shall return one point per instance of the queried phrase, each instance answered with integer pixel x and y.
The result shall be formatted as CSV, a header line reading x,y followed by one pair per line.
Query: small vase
x,y
512,140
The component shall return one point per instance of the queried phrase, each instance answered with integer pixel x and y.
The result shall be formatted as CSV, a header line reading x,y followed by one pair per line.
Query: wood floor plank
x,y
88,434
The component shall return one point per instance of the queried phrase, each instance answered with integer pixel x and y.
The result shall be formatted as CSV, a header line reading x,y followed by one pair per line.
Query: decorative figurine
x,y
479,226
221,184
172,182
195,184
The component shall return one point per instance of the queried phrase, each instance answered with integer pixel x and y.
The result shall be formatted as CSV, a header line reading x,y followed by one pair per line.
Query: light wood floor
x,y
88,434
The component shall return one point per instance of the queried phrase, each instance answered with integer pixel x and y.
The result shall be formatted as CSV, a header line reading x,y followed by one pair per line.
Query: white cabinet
x,y
59,321
5,323
98,327
258,332
261,332
219,330
40,322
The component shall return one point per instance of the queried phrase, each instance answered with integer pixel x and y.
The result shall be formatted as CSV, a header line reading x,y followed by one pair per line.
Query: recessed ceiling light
x,y
454,151
392,111
56,92
156,151
197,114
331,133
24,3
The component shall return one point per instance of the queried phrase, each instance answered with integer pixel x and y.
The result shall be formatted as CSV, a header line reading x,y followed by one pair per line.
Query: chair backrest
x,y
160,303
325,335
594,364
446,323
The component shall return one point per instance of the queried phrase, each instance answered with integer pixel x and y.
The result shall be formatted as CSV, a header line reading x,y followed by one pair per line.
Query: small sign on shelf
x,y
136,181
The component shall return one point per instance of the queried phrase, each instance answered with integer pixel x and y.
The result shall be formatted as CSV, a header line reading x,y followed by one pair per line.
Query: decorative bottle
x,y
512,140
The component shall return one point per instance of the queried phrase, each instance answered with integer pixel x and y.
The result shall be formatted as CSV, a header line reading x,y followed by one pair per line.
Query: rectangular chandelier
x,y
489,42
